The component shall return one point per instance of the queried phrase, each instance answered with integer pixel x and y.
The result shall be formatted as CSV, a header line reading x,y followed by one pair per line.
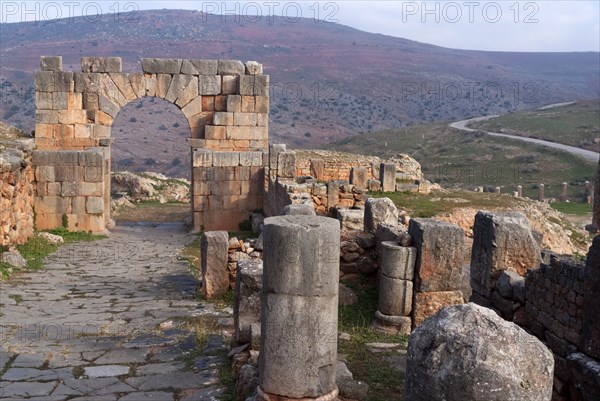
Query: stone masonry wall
x,y
16,195
226,187
70,189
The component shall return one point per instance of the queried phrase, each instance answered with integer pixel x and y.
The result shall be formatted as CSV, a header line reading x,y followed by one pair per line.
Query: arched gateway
x,y
226,103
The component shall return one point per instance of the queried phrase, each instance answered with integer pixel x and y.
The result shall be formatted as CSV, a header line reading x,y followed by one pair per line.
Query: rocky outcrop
x,y
468,352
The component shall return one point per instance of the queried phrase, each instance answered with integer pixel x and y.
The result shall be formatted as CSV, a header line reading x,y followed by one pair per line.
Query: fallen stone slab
x,y
106,371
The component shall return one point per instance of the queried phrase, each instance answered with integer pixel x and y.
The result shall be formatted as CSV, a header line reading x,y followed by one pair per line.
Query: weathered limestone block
x,y
395,296
468,352
427,304
359,177
299,309
199,67
231,67
379,211
101,64
178,84
502,241
590,332
351,219
286,165
440,248
253,68
210,85
397,261
161,65
374,185
299,210
247,305
387,176
317,168
51,63
215,274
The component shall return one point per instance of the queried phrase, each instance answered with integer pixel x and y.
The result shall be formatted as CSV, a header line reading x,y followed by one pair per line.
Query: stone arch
x,y
226,103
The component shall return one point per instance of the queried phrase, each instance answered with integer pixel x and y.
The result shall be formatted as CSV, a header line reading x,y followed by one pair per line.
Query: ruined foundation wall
x,y
17,191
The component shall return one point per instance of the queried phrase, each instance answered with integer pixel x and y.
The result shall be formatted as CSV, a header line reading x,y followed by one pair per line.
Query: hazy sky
x,y
547,25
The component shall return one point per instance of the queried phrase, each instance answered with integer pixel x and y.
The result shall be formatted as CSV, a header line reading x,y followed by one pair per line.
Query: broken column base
x,y
392,324
262,396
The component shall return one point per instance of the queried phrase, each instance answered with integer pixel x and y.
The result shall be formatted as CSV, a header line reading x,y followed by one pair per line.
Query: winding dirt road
x,y
586,154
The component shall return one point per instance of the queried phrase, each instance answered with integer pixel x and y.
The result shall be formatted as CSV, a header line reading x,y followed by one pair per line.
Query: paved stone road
x,y
111,320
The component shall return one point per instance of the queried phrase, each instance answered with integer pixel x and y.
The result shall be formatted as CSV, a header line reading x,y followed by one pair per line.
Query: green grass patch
x,y
371,368
35,250
242,234
572,207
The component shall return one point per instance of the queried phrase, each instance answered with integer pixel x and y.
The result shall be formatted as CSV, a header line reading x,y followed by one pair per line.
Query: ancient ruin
x,y
225,102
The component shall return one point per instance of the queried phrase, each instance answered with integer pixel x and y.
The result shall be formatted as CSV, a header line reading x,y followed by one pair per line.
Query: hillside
x,y
576,124
456,159
329,81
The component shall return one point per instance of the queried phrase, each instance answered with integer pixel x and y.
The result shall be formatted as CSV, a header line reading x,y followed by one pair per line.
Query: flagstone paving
x,y
114,319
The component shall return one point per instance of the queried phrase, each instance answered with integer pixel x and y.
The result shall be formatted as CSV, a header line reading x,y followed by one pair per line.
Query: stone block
x,y
209,85
215,274
299,210
223,118
247,104
247,302
387,176
234,103
251,158
226,159
261,85
253,68
230,84
395,296
178,84
189,93
215,132
68,188
51,63
108,106
44,81
247,85
72,117
286,165
261,104
359,177
193,108
94,205
91,188
161,66
379,211
351,219
47,205
101,64
231,67
440,254
163,83
244,119
43,100
199,67
374,185
46,117
502,241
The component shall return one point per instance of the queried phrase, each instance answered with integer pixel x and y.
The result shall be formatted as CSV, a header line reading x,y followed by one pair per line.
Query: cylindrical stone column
x,y
541,196
587,196
497,190
563,192
298,356
520,191
395,288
